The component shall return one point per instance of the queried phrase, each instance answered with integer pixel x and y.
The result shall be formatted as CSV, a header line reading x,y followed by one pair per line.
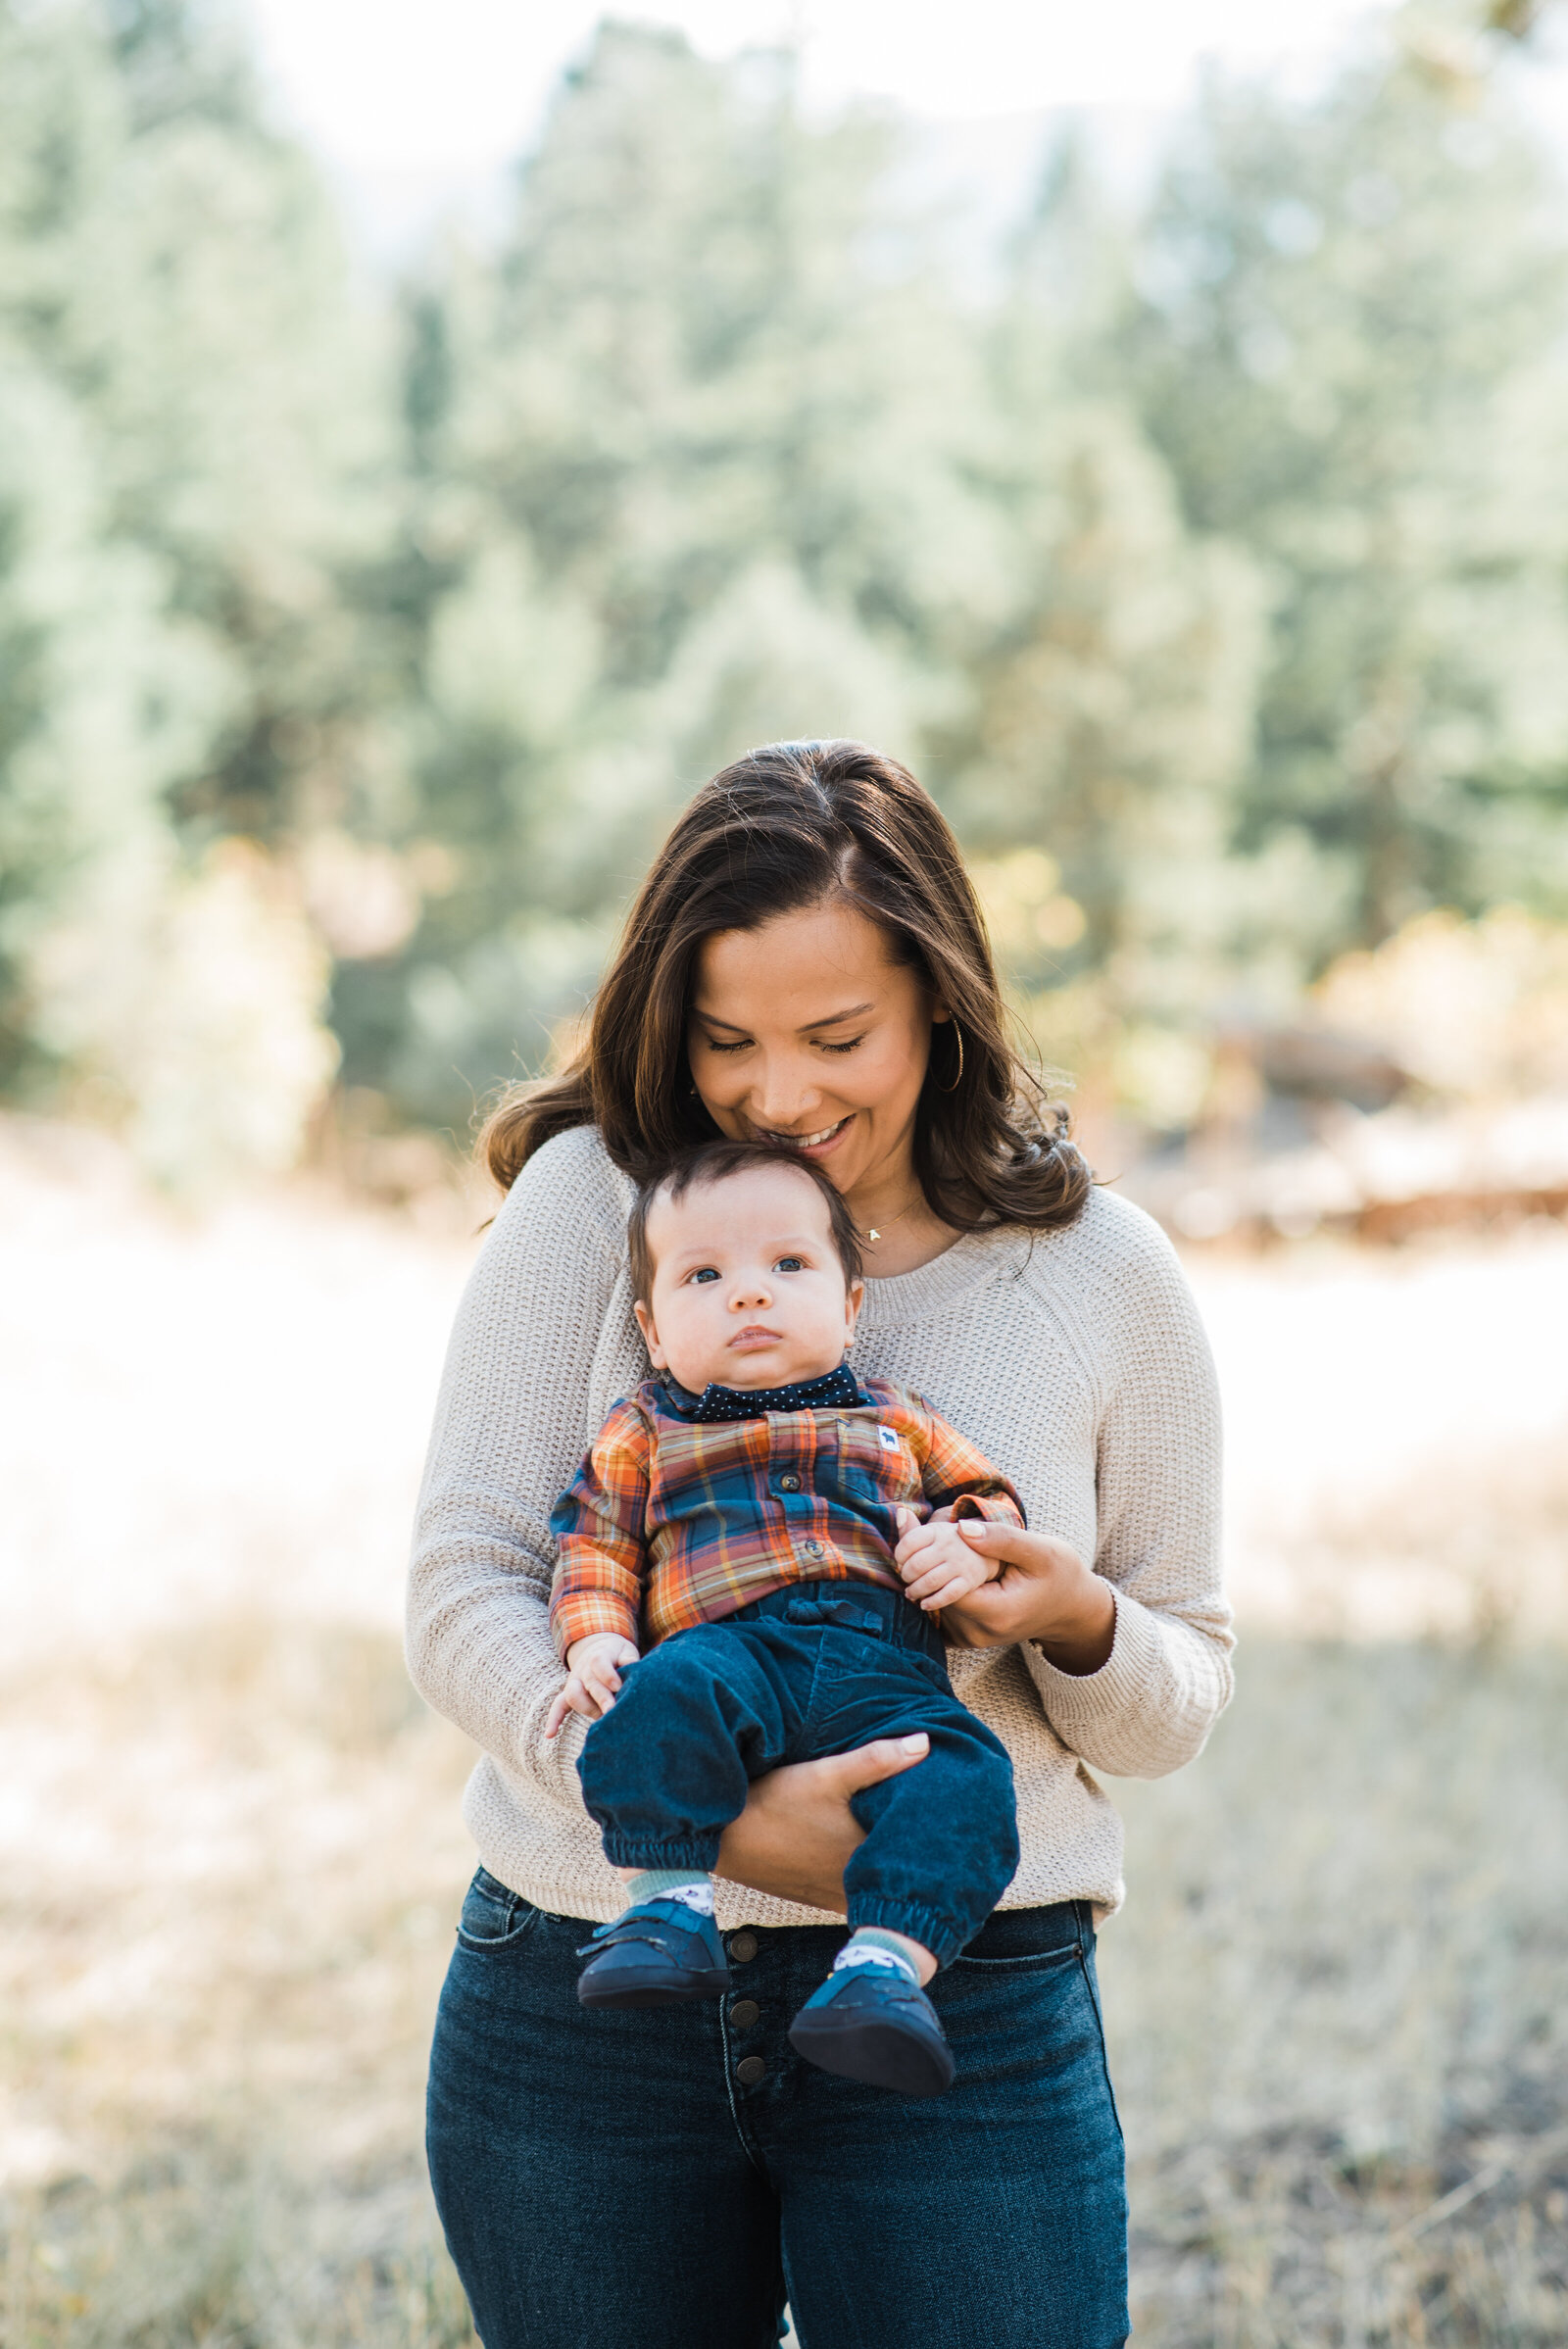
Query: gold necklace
x,y
871,1232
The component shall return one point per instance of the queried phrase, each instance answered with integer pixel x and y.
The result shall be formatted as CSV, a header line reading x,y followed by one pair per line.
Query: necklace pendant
x,y
871,1235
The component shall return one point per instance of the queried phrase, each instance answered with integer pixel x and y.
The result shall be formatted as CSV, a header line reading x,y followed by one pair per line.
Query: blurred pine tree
x,y
191,459
1348,349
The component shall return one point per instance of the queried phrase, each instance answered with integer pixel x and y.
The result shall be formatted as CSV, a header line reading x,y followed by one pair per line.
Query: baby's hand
x,y
595,1680
937,1564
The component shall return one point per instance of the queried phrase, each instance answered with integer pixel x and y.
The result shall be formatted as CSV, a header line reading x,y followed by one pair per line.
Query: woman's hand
x,y
1043,1591
797,1833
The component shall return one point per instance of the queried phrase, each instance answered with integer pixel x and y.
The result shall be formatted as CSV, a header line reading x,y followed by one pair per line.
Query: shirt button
x,y
813,1549
789,1484
750,2070
743,1948
744,2013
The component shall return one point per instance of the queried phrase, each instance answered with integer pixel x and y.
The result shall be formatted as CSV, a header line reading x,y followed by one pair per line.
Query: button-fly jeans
x,y
815,1669
666,2178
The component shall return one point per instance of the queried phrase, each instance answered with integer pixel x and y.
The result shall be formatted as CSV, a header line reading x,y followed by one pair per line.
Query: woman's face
x,y
805,1031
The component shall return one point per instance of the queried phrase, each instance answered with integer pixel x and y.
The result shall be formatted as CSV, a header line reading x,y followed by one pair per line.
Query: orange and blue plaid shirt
x,y
676,1519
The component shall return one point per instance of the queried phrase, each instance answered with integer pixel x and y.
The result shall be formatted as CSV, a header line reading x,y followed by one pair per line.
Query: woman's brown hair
x,y
789,826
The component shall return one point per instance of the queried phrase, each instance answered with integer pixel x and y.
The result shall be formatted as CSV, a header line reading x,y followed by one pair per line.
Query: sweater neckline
x,y
896,1299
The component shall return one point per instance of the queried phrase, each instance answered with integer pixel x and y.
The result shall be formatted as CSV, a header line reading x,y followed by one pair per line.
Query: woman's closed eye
x,y
747,1044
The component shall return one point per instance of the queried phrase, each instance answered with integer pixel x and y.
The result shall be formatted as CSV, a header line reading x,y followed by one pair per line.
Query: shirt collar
x,y
833,1388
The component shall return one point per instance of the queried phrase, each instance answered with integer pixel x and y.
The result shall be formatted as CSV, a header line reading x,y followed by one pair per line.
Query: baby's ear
x,y
644,1322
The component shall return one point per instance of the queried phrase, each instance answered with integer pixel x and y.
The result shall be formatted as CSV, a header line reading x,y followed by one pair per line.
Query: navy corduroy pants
x,y
815,1669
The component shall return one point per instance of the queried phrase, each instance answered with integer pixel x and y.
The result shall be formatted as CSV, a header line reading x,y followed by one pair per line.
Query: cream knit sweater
x,y
1076,1362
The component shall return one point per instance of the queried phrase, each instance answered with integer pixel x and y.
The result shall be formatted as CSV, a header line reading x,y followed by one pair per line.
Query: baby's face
x,y
748,1287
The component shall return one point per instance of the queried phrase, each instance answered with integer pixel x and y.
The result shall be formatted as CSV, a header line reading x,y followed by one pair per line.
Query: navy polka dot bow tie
x,y
833,1389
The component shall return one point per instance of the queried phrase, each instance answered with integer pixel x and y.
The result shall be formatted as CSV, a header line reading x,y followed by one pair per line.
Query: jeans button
x,y
743,1948
744,2013
750,2070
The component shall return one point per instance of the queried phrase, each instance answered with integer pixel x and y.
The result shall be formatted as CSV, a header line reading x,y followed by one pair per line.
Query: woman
x,y
806,963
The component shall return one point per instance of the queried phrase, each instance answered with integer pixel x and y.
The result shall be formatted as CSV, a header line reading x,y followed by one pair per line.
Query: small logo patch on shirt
x,y
888,1440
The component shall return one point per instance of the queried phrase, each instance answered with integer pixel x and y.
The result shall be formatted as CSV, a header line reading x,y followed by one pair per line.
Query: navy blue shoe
x,y
652,1955
872,2023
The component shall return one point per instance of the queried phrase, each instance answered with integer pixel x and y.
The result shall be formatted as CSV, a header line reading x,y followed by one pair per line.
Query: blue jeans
x,y
666,2178
814,1669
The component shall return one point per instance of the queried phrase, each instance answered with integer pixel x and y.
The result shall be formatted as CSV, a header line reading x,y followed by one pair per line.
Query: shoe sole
x,y
875,2052
651,1989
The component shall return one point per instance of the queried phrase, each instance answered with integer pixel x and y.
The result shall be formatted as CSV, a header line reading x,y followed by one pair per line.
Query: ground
x,y
231,1851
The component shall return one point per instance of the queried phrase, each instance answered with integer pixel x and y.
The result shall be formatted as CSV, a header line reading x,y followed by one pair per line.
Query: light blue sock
x,y
689,1885
869,1945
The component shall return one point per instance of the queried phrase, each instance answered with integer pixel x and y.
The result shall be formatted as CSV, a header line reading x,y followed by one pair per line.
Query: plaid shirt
x,y
672,1523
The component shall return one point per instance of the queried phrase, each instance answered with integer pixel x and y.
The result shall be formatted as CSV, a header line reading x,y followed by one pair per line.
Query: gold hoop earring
x,y
959,1078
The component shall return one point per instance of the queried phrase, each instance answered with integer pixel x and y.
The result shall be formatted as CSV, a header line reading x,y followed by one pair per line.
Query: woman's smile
x,y
815,1144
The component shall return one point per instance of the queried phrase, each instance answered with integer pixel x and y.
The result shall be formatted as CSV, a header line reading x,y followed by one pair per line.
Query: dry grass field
x,y
230,1855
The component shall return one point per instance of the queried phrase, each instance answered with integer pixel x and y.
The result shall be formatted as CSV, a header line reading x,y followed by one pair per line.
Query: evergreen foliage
x,y
1349,353
357,644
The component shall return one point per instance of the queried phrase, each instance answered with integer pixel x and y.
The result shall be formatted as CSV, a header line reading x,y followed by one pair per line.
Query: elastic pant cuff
x,y
933,1932
700,1857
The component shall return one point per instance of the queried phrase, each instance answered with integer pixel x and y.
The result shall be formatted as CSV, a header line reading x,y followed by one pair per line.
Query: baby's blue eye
x,y
789,1264
706,1273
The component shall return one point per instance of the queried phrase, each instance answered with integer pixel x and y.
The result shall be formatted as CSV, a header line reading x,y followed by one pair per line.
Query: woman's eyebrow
x,y
829,1019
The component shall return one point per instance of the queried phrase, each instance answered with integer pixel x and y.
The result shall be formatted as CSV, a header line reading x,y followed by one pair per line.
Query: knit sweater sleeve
x,y
1151,1706
511,1430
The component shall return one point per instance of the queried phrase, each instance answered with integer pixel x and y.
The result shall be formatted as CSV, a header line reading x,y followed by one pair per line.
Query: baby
x,y
746,1517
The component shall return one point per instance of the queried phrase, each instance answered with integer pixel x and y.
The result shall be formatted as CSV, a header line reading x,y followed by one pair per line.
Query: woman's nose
x,y
784,1095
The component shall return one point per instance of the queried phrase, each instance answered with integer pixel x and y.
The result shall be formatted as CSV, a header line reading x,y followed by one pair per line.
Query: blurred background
x,y
432,442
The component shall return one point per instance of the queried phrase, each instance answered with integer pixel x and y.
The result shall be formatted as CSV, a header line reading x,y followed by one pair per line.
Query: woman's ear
x,y
644,1322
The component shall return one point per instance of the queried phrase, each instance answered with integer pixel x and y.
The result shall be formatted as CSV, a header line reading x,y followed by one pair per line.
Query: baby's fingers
x,y
568,1701
603,1683
913,1536
925,1576
952,1590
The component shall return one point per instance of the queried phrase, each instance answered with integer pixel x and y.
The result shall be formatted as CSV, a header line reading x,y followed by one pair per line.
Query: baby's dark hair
x,y
715,1162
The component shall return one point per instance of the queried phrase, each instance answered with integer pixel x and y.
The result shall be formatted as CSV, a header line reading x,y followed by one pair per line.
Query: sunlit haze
x,y
456,86
418,103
